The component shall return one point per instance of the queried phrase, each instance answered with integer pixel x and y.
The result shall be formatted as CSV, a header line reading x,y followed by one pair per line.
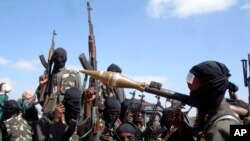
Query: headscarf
x,y
111,117
27,100
11,108
129,128
214,77
114,68
112,103
71,102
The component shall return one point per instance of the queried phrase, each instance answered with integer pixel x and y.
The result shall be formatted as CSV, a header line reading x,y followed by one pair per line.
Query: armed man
x,y
61,79
208,82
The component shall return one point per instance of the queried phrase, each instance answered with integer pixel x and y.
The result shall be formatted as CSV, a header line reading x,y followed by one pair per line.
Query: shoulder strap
x,y
216,119
227,117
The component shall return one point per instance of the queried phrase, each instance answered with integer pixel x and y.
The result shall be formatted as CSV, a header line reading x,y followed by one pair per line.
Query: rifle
x,y
48,70
150,124
246,78
138,114
118,80
129,106
246,120
91,109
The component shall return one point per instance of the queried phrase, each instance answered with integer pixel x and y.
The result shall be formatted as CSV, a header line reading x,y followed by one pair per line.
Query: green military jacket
x,y
107,91
218,124
62,81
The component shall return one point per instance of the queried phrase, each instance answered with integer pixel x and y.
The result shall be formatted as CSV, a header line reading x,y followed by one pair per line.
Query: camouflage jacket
x,y
107,91
17,129
62,81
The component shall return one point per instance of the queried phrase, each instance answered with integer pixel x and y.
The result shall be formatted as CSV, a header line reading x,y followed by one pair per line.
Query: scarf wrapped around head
x,y
114,68
214,77
129,128
126,127
71,102
11,108
110,116
59,58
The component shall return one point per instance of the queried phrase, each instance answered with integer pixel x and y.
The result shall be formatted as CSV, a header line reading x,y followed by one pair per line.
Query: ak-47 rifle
x,y
91,109
48,71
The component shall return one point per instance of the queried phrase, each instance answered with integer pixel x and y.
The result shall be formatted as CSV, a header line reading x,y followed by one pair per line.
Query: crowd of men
x,y
66,106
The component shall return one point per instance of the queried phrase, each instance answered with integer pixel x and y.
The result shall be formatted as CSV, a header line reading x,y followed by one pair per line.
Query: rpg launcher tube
x,y
115,79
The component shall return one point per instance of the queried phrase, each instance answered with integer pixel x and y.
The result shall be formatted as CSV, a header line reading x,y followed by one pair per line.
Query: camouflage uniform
x,y
18,129
62,81
107,91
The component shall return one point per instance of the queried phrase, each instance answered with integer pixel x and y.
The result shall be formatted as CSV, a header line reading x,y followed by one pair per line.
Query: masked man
x,y
208,82
62,79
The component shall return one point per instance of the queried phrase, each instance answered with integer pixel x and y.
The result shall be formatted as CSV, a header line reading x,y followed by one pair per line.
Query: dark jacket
x,y
218,123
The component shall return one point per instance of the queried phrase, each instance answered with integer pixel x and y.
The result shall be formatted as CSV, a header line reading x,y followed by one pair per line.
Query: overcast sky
x,y
151,40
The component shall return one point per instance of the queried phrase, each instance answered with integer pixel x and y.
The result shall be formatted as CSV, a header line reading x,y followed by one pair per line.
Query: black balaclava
x,y
214,76
129,128
111,117
59,59
11,108
71,103
114,68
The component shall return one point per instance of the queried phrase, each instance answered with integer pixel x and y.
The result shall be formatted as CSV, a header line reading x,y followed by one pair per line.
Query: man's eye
x,y
131,138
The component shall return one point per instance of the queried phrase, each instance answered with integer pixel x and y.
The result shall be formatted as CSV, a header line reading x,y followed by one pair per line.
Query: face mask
x,y
59,61
71,112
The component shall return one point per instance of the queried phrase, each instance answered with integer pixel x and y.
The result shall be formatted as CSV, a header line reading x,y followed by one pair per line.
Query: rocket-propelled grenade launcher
x,y
115,79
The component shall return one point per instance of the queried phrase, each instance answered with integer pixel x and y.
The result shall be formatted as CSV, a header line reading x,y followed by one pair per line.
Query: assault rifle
x,y
91,109
48,70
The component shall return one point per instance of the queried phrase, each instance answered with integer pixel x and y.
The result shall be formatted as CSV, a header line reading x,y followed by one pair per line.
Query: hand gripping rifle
x,y
48,70
91,109
118,80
